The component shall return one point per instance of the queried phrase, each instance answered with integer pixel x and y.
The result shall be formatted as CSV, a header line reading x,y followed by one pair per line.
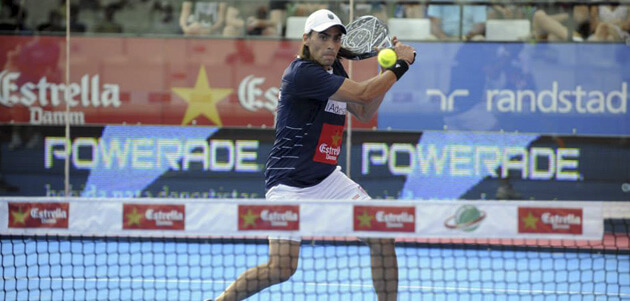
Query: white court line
x,y
401,288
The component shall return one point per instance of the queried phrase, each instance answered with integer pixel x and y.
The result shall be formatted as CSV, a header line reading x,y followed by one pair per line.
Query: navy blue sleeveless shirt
x,y
309,125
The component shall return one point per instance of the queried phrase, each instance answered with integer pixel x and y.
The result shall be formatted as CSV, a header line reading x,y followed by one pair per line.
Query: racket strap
x,y
399,68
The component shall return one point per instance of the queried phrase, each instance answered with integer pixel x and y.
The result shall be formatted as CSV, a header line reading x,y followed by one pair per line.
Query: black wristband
x,y
399,68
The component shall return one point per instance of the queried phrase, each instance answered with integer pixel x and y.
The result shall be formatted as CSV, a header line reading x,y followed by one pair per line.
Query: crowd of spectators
x,y
451,22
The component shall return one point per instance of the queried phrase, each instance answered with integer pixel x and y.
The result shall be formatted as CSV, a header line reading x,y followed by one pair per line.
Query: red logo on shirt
x,y
329,145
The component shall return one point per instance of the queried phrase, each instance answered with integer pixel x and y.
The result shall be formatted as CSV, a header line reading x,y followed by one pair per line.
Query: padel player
x,y
315,95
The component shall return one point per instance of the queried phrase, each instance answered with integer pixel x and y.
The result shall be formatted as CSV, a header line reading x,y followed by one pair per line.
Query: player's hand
x,y
404,51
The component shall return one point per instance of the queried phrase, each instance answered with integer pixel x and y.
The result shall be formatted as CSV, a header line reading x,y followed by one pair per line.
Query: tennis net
x,y
164,249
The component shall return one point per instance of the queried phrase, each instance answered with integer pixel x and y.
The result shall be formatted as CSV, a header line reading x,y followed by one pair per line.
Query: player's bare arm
x,y
365,97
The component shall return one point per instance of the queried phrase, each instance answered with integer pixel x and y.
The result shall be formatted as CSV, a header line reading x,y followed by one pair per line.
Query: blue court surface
x,y
151,270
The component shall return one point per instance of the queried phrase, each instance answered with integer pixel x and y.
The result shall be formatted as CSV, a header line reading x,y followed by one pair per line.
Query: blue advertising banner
x,y
117,161
533,88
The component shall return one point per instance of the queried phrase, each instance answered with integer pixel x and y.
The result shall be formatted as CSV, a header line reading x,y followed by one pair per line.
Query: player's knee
x,y
281,270
286,273
283,274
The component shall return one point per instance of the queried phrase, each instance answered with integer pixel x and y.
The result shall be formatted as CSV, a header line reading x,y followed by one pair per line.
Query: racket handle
x,y
387,43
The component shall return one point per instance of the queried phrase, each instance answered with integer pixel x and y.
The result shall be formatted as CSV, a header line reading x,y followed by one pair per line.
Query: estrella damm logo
x,y
384,219
269,217
38,215
550,220
154,217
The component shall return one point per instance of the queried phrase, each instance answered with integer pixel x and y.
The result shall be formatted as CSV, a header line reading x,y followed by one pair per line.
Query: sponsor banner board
x,y
548,88
336,218
154,81
208,162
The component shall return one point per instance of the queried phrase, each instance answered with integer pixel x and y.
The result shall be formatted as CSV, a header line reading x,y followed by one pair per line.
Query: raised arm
x,y
365,97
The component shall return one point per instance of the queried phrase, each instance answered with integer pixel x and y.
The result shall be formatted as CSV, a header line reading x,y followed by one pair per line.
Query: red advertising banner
x,y
385,219
154,217
38,215
266,217
550,220
146,81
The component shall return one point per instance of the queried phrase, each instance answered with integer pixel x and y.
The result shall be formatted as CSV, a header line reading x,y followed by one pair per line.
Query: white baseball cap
x,y
321,20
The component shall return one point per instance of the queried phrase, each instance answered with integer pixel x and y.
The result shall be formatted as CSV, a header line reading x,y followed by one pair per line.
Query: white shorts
x,y
337,186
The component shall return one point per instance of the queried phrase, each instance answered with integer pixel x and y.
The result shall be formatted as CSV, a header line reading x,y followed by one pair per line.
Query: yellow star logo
x,y
19,217
365,220
249,218
134,217
530,221
336,138
202,100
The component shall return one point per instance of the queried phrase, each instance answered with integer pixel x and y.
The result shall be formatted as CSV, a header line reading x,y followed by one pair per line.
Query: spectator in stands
x,y
278,14
209,18
12,16
54,22
268,22
305,9
202,17
91,4
75,24
445,21
410,9
57,20
551,23
162,18
378,9
261,24
234,23
610,23
366,7
510,11
108,24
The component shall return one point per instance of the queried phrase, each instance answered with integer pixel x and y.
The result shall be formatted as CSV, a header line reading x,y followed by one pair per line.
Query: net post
x,y
349,129
66,170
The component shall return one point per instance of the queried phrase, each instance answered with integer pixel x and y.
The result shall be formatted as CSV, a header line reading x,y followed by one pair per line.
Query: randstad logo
x,y
558,101
552,100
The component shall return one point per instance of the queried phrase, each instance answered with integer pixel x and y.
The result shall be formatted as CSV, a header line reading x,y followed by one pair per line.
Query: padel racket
x,y
364,37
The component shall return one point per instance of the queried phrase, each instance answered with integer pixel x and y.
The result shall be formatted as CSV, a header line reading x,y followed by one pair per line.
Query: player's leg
x,y
384,267
282,264
382,253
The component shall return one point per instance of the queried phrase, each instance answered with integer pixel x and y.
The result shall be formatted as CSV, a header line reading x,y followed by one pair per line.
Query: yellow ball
x,y
387,57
